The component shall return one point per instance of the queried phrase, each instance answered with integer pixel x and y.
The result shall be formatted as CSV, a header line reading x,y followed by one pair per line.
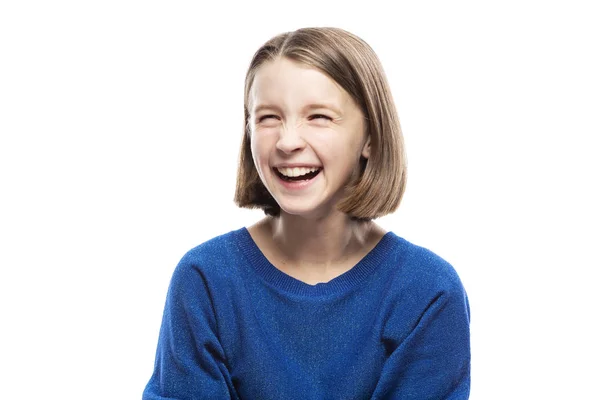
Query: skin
x,y
299,115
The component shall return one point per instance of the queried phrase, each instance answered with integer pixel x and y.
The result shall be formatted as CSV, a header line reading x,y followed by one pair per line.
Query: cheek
x,y
260,145
253,147
326,146
256,156
341,158
333,149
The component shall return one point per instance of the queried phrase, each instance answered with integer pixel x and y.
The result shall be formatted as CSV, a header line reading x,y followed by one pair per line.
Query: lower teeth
x,y
296,179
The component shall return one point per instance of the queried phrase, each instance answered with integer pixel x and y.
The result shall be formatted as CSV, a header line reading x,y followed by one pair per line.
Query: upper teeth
x,y
296,171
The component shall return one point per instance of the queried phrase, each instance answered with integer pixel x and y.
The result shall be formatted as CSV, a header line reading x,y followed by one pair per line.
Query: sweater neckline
x,y
357,274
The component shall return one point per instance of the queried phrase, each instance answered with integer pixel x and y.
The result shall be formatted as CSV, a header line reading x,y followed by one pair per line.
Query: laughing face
x,y
307,137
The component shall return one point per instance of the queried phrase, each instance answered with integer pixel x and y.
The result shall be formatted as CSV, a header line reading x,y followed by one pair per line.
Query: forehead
x,y
290,84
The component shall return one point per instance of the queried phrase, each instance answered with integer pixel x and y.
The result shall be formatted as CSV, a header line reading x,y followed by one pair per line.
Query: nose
x,y
290,140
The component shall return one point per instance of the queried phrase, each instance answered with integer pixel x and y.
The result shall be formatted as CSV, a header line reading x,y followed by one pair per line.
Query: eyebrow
x,y
328,106
262,107
312,106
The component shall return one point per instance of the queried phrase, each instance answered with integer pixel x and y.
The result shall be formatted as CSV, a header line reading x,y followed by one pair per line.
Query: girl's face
x,y
307,136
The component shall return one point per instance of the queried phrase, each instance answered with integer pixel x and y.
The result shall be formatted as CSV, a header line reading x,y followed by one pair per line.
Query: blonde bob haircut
x,y
353,64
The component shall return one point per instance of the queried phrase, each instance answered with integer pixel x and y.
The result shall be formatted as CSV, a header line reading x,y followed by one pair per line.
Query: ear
x,y
366,151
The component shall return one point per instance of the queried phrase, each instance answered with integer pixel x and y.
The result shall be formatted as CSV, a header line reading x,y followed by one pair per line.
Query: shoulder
x,y
214,258
422,282
420,269
214,249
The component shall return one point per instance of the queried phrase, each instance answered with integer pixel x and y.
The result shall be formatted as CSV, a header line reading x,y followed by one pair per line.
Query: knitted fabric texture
x,y
395,326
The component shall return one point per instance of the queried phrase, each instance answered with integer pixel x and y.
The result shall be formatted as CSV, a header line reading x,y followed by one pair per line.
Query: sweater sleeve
x,y
433,360
190,361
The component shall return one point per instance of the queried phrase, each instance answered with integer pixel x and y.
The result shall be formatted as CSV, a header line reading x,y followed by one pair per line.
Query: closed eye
x,y
264,117
319,116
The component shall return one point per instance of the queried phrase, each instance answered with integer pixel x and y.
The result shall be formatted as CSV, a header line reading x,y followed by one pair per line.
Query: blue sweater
x,y
395,326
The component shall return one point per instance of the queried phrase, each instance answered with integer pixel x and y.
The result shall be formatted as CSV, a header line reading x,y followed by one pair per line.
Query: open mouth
x,y
297,174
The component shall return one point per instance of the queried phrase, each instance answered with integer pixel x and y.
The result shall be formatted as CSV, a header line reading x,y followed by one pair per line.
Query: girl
x,y
315,301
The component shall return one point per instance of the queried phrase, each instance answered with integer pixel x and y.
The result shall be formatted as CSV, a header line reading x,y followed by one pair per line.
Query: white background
x,y
120,123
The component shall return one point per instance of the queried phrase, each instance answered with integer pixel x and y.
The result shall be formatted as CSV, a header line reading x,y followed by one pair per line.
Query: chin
x,y
298,211
306,211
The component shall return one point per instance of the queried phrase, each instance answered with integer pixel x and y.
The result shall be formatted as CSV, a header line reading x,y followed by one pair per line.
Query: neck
x,y
322,242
